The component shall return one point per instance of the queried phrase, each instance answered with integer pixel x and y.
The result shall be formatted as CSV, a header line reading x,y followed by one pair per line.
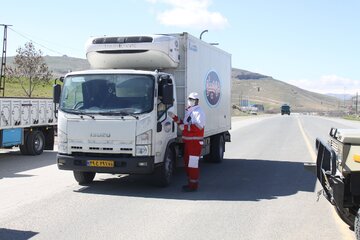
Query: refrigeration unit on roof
x,y
134,52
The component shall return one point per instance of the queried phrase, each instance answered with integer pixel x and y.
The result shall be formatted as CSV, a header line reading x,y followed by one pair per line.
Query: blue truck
x,y
28,123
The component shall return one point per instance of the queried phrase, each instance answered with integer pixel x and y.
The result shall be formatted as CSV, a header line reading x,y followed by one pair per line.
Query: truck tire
x,y
23,147
23,150
217,149
164,172
357,225
84,178
35,143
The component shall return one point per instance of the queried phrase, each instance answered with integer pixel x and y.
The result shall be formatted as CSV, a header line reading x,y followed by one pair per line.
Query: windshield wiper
x,y
119,113
81,113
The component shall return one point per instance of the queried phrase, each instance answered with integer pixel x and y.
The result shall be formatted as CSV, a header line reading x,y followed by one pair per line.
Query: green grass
x,y
13,89
352,117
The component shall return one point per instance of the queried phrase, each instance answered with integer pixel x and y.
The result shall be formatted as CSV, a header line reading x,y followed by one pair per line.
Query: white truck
x,y
113,119
29,123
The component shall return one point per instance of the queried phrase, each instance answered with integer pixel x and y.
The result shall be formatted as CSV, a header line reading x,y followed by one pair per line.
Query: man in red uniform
x,y
192,135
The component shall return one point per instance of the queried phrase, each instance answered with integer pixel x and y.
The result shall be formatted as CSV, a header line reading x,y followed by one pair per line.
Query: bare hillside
x,y
273,93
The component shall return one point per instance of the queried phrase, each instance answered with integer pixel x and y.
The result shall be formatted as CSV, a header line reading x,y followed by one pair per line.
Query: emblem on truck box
x,y
212,88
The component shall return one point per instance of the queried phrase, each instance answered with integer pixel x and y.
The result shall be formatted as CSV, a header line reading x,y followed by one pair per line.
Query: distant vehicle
x,y
285,109
253,110
338,171
260,107
29,123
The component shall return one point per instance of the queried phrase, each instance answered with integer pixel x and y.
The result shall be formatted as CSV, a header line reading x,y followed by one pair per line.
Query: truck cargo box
x,y
204,69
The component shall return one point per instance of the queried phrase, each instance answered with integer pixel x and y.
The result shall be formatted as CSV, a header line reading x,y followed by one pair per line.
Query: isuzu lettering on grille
x,y
100,135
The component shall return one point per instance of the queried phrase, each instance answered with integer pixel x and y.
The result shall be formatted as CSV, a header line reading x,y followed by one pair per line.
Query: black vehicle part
x,y
325,162
217,149
346,215
165,170
357,225
23,147
35,142
355,183
84,178
49,138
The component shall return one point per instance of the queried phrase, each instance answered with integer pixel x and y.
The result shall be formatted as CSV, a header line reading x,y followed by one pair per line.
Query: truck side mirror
x,y
159,127
56,93
167,94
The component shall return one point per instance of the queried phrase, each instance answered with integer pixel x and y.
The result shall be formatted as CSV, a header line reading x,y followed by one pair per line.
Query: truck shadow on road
x,y
6,233
13,163
232,180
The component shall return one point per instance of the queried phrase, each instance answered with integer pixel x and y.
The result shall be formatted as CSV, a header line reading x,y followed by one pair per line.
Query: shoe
x,y
186,188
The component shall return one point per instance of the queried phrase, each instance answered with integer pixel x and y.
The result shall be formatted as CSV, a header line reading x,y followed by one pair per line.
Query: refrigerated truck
x,y
29,123
113,118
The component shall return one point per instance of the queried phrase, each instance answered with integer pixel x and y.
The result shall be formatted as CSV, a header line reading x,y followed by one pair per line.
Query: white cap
x,y
194,95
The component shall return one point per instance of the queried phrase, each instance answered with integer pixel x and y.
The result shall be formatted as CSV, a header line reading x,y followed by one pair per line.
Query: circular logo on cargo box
x,y
212,88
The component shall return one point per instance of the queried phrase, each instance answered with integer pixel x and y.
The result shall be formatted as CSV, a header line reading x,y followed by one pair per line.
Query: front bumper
x,y
124,165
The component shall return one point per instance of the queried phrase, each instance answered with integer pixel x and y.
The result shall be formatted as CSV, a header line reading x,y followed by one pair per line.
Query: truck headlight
x,y
62,142
143,144
142,150
144,138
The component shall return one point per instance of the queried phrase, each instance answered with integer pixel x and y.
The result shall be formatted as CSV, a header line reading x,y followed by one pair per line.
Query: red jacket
x,y
194,123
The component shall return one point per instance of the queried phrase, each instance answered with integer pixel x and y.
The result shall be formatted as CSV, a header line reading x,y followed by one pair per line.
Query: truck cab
x,y
115,121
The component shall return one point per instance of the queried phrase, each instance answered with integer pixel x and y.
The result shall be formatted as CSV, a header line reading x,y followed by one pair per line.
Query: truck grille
x,y
114,40
335,146
76,147
98,148
105,155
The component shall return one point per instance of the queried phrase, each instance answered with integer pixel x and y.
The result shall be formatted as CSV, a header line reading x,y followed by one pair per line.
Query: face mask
x,y
191,102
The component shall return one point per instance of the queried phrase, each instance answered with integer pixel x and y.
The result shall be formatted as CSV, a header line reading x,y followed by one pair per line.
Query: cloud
x,y
329,84
190,14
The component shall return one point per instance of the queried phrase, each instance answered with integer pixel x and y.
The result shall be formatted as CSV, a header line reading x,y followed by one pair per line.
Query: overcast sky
x,y
314,44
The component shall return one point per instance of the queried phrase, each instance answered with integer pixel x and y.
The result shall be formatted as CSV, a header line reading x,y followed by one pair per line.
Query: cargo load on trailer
x,y
29,123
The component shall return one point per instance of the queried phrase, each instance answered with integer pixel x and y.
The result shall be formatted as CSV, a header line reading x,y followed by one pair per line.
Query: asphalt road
x,y
260,191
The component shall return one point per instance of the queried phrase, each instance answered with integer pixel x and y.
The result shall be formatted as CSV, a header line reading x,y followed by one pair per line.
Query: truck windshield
x,y
108,94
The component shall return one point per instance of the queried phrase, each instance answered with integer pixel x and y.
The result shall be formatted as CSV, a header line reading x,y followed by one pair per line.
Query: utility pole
x,y
3,60
356,103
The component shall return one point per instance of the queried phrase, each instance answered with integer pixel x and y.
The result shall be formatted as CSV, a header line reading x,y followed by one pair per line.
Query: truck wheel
x,y
357,225
217,149
23,150
84,178
35,143
164,172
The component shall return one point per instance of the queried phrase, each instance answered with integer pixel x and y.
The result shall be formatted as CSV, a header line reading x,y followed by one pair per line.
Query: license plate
x,y
100,163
